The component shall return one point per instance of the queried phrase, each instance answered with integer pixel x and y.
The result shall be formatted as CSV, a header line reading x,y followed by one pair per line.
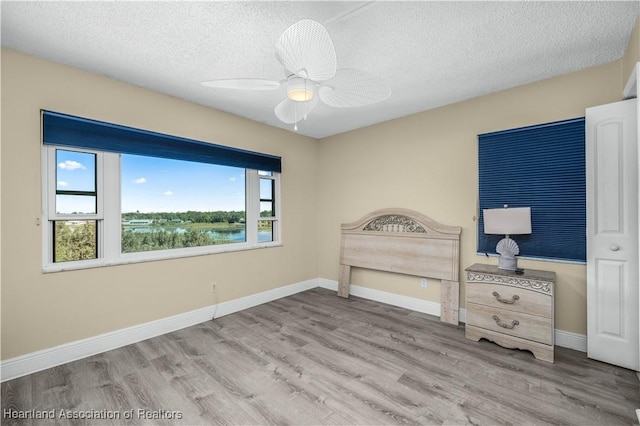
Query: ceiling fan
x,y
308,56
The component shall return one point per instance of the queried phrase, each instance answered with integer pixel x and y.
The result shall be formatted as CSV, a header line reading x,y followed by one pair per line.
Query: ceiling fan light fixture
x,y
308,55
299,89
300,95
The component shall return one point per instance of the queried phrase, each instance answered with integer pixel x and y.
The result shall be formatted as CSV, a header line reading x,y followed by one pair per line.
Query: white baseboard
x,y
51,357
247,302
30,363
566,339
412,303
57,355
563,338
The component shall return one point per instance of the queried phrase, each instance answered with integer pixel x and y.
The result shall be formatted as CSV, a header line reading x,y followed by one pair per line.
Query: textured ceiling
x,y
430,53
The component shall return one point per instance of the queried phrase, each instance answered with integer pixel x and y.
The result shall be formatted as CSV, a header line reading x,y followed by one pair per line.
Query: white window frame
x,y
108,216
274,219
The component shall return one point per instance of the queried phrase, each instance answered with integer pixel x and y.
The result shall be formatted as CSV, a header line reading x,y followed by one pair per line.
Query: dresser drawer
x,y
525,326
511,298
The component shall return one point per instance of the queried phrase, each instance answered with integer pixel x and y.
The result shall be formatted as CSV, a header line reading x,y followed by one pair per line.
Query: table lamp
x,y
507,221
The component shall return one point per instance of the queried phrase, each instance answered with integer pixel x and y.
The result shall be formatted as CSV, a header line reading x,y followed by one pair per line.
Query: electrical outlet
x,y
213,287
424,282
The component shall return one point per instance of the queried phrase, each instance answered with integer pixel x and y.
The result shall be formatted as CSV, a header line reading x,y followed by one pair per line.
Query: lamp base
x,y
508,263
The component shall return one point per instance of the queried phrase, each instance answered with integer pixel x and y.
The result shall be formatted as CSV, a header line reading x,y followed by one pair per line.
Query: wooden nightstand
x,y
514,311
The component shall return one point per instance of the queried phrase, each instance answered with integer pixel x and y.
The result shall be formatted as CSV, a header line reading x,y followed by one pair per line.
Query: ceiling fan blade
x,y
306,49
290,112
352,88
243,84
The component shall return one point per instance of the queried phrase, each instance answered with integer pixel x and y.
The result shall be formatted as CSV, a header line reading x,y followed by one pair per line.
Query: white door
x,y
612,234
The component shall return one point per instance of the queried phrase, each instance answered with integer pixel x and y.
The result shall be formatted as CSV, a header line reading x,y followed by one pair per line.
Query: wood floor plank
x,y
16,394
317,359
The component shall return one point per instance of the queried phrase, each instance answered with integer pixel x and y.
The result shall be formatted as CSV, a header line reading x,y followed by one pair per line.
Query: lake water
x,y
235,235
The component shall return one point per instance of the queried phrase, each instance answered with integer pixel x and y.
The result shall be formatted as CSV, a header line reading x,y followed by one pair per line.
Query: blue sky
x,y
154,184
160,185
75,172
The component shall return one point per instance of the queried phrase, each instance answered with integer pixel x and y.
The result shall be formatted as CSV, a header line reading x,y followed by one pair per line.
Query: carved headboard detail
x,y
406,242
394,223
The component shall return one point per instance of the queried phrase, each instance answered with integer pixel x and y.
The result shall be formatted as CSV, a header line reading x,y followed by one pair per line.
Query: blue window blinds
x,y
542,167
76,132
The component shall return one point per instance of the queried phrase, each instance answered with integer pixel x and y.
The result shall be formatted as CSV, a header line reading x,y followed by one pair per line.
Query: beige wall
x,y
632,54
44,310
428,162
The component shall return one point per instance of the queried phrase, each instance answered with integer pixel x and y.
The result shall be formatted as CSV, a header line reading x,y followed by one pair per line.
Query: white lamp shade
x,y
507,221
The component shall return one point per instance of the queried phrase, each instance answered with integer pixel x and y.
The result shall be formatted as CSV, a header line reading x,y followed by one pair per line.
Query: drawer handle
x,y
513,323
506,301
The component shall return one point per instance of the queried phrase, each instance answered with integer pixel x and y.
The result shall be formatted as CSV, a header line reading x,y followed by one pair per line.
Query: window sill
x,y
154,256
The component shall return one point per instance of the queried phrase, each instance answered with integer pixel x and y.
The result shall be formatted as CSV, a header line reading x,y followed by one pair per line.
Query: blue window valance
x,y
542,167
76,132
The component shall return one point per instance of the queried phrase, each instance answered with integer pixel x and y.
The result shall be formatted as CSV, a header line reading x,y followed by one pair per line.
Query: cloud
x,y
62,183
140,180
168,193
71,165
232,179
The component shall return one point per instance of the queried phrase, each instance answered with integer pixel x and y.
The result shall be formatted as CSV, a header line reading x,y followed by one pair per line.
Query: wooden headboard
x,y
406,242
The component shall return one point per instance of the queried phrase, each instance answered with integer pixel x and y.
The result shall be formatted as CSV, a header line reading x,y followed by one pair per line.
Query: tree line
x,y
78,241
161,240
194,216
190,216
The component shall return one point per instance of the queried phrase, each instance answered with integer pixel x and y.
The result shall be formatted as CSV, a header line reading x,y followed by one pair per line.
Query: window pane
x,y
266,189
75,204
168,204
266,209
75,171
265,231
74,240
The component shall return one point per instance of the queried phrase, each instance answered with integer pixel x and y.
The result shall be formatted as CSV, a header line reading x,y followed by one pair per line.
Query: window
x,y
169,204
542,167
268,223
163,197
74,207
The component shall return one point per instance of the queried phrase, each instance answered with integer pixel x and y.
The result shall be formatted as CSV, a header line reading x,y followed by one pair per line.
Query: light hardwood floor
x,y
315,358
